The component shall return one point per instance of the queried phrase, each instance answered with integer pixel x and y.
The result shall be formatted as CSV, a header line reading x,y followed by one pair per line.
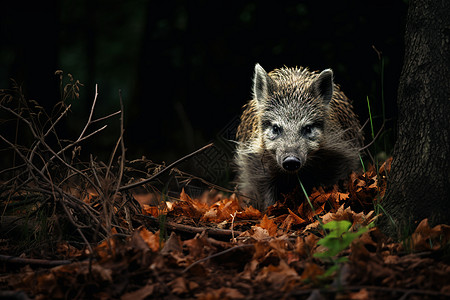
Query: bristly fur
x,y
295,114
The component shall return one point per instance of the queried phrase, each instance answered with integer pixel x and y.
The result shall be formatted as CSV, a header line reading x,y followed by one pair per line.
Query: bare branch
x,y
169,167
106,117
91,113
122,145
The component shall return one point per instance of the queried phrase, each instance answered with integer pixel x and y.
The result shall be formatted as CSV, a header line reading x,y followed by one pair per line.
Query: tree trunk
x,y
419,183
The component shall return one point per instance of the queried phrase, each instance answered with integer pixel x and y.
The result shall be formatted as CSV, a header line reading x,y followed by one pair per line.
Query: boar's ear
x,y
262,84
323,86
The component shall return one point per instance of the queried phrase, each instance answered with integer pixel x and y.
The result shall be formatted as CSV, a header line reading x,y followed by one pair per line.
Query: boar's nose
x,y
291,163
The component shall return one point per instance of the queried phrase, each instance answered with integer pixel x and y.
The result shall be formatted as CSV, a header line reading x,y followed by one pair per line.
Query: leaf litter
x,y
212,247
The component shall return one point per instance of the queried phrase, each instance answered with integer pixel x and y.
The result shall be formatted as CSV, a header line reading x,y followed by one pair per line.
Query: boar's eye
x,y
276,130
307,130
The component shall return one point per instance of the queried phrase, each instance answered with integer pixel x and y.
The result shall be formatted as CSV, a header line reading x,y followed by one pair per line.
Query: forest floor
x,y
214,248
77,229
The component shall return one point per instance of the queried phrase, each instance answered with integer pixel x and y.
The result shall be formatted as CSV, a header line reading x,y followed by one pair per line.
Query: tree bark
x,y
419,183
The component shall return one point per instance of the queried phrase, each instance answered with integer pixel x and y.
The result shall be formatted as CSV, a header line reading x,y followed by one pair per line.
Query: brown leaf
x,y
311,271
198,247
296,219
150,210
222,210
426,238
334,197
269,225
291,219
347,214
304,245
151,239
221,293
178,286
106,248
362,294
257,233
139,294
249,213
173,244
188,207
386,166
281,277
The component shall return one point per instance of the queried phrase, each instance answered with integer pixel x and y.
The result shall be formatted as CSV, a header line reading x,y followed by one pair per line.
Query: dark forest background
x,y
185,67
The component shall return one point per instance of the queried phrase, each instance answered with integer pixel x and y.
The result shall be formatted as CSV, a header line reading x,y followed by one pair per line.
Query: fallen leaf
x,y
426,238
362,294
311,271
304,245
139,294
269,225
150,210
222,210
281,277
249,213
256,232
178,286
151,239
221,293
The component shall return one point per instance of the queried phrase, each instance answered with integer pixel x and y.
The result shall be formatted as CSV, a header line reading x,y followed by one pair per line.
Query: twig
x,y
38,170
106,117
19,116
193,229
374,139
31,156
12,168
90,114
122,146
58,119
28,164
56,154
77,226
211,185
232,225
42,141
33,261
169,167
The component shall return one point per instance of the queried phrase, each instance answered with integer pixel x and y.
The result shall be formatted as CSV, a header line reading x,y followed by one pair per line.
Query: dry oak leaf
x,y
304,210
250,213
188,207
222,293
362,294
386,166
106,248
151,239
222,210
304,245
139,294
291,219
281,277
269,225
311,271
178,286
426,238
334,197
350,215
198,247
173,244
150,210
257,233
